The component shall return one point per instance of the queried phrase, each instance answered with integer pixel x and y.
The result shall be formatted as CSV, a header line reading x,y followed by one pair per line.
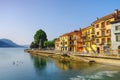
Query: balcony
x,y
88,33
92,32
103,35
84,35
102,28
79,45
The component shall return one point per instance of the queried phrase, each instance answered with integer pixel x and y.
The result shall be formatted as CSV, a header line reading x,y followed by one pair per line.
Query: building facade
x,y
57,44
88,39
102,28
115,32
95,38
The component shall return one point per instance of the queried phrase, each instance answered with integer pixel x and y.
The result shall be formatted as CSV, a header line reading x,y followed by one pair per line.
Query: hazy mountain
x,y
8,43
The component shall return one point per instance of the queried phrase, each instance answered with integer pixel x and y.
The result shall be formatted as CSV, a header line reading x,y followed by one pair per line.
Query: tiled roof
x,y
116,21
109,16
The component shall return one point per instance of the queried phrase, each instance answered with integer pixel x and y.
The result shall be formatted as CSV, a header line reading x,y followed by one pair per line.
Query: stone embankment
x,y
104,59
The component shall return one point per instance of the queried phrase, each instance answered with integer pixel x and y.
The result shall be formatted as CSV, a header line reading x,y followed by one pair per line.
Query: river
x,y
15,64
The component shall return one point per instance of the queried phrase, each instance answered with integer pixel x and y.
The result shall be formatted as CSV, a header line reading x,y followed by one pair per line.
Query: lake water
x,y
15,64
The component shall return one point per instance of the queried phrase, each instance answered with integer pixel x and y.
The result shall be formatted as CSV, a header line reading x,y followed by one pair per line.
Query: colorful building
x,y
95,38
70,42
88,39
115,32
102,28
57,44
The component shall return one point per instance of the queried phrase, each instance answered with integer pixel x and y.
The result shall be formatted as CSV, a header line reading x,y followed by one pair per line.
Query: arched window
x,y
102,24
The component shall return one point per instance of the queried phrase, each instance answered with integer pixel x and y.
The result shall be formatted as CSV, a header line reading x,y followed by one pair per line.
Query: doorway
x,y
98,50
118,49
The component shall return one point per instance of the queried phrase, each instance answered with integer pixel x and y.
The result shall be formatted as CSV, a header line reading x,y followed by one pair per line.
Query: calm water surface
x,y
15,64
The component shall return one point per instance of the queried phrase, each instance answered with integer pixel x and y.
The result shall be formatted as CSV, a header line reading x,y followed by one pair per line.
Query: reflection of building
x,y
115,32
102,28
88,39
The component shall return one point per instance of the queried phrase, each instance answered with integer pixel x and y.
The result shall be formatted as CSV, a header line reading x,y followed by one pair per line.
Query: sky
x,y
20,19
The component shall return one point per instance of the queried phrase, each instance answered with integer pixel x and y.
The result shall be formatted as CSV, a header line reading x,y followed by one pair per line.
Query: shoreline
x,y
102,59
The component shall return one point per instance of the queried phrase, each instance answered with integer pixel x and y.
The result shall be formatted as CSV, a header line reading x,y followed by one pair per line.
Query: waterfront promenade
x,y
108,59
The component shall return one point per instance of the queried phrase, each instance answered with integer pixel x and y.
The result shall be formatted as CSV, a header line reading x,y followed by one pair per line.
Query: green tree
x,y
33,45
40,37
49,43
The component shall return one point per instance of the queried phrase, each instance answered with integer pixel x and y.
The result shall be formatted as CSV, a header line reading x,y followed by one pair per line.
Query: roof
x,y
109,16
116,21
70,33
57,40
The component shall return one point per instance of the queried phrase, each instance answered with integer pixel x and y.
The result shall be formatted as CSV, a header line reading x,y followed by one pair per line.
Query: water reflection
x,y
71,65
55,69
39,62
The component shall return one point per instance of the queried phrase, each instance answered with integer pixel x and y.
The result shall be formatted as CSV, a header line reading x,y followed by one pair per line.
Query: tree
x,y
33,45
49,43
40,37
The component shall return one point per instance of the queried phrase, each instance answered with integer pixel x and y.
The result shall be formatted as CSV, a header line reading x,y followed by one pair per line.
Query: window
x,y
108,40
103,40
97,40
103,33
65,42
102,24
108,31
118,38
97,26
97,33
117,27
108,22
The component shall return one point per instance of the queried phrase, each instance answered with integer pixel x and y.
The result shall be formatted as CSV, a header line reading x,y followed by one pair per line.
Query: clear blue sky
x,y
20,19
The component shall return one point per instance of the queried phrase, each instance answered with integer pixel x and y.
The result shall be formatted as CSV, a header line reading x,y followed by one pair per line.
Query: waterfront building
x,y
115,32
70,41
102,28
79,41
64,40
88,39
57,43
76,39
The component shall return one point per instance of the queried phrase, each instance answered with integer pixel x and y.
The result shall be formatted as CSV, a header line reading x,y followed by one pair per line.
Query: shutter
x,y
116,27
116,38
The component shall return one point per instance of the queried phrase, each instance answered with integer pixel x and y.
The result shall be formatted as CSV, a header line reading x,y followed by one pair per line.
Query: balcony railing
x,y
84,35
102,28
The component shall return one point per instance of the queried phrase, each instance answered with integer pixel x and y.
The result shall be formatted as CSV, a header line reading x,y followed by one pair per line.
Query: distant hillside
x,y
8,43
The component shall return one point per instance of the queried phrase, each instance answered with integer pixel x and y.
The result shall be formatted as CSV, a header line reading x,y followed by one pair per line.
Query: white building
x,y
115,34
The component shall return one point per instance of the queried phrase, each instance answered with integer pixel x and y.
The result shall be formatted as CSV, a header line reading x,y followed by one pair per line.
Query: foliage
x,y
33,45
49,43
40,36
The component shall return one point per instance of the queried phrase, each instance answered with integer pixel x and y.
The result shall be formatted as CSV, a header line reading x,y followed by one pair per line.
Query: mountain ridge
x,y
8,43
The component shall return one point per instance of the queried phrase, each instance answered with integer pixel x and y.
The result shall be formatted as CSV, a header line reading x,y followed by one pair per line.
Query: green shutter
x,y
116,38
116,27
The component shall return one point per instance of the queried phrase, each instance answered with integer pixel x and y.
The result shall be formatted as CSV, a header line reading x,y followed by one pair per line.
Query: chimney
x,y
97,18
116,13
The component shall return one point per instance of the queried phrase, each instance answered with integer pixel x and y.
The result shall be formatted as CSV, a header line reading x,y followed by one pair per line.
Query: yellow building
x,y
88,39
57,44
64,42
102,28
67,42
